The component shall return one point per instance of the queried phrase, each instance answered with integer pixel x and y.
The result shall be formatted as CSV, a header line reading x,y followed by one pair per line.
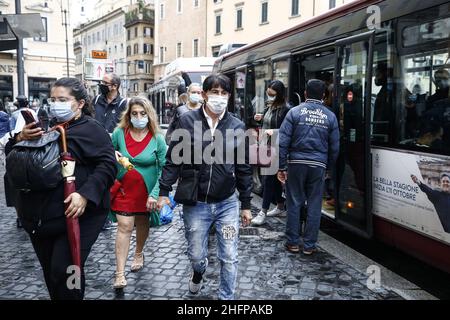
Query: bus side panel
x,y
426,249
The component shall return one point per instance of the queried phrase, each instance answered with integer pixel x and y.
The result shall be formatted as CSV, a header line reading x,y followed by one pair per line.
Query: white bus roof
x,y
200,64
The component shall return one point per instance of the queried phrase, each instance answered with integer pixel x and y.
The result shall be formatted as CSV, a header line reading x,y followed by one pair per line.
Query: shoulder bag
x,y
34,164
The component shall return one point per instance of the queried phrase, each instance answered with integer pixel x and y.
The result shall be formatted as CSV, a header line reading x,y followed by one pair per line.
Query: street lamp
x,y
67,40
20,62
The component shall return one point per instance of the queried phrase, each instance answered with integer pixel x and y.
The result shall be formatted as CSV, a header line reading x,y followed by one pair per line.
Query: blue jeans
x,y
304,182
197,221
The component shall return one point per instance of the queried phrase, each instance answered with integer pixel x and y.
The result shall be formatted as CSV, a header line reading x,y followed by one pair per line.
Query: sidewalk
x,y
266,269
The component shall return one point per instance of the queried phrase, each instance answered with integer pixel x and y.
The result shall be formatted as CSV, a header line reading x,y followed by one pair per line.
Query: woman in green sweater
x,y
140,151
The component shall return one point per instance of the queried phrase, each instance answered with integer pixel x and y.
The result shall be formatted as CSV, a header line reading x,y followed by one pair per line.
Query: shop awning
x,y
19,26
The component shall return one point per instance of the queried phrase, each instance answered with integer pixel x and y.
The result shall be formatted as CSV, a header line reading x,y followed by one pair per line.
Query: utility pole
x,y
67,39
20,67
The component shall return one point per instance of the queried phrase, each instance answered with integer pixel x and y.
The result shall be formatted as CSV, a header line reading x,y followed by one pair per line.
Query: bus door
x,y
352,92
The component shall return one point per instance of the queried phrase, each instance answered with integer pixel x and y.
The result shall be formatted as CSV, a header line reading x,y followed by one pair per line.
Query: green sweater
x,y
148,163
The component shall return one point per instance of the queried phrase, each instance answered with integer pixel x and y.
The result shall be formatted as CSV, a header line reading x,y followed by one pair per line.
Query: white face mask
x,y
139,123
195,98
62,111
217,104
271,99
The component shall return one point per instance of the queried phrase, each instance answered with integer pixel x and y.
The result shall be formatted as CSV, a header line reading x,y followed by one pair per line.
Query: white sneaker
x,y
275,212
259,219
194,288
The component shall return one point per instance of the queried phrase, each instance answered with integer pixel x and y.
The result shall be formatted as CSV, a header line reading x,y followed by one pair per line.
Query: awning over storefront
x,y
19,26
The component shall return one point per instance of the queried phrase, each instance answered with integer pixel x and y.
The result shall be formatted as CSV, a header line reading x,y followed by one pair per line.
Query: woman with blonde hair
x,y
140,152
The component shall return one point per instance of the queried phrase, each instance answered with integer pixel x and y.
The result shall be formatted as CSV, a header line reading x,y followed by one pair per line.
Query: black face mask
x,y
104,89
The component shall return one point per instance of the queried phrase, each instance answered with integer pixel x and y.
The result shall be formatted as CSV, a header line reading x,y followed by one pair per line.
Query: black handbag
x,y
34,164
187,189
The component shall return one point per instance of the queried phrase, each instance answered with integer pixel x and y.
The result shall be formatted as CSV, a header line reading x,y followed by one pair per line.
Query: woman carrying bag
x,y
138,141
43,212
273,116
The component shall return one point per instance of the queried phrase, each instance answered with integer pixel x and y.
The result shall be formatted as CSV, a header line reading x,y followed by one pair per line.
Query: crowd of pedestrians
x,y
125,170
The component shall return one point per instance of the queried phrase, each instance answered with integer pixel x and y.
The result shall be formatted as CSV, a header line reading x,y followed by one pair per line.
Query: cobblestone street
x,y
266,269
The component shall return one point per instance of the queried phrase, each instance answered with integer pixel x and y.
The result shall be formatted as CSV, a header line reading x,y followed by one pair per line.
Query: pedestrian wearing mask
x,y
138,139
41,114
42,211
215,201
194,102
109,105
272,118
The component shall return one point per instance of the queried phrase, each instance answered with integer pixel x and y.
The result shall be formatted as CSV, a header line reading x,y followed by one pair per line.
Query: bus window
x,y
262,80
319,65
239,94
426,113
280,71
424,58
249,94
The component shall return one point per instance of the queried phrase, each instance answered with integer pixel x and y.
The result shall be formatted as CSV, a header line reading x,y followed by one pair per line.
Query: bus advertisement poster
x,y
413,190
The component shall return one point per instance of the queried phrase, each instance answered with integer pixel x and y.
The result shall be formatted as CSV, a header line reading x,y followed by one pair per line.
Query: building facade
x,y
211,24
180,31
247,21
98,45
140,33
45,58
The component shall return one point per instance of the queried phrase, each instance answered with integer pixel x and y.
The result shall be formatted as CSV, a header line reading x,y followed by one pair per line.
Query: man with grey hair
x,y
194,102
109,105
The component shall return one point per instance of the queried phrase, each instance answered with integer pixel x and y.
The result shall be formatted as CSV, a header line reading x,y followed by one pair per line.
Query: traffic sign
x,y
95,69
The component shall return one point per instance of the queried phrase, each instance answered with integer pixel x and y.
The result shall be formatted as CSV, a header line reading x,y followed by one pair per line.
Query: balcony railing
x,y
139,15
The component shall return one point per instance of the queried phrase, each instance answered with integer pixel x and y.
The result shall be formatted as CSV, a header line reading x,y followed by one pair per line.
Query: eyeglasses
x,y
106,83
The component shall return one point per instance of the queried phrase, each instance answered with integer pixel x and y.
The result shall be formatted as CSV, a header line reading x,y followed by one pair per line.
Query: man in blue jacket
x,y
309,144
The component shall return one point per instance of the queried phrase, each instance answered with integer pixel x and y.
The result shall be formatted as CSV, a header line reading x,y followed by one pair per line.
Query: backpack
x,y
34,164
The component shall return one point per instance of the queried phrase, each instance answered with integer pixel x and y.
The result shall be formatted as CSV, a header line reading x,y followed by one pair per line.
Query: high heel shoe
x,y
138,262
120,281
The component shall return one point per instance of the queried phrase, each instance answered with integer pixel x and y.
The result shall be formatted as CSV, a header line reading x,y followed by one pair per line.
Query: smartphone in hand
x,y
28,116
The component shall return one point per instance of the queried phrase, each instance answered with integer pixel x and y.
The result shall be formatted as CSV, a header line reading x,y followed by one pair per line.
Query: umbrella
x,y
73,226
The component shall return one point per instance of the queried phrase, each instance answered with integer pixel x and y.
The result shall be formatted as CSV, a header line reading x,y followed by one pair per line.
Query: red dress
x,y
132,197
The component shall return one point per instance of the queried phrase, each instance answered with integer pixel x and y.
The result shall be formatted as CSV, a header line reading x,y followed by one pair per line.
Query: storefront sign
x,y
7,68
96,54
421,206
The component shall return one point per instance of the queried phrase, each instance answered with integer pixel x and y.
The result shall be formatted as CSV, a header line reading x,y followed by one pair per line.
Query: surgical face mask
x,y
139,123
104,89
62,111
195,98
217,104
271,98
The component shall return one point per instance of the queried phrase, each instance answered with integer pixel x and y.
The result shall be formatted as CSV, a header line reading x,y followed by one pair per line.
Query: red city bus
x,y
386,66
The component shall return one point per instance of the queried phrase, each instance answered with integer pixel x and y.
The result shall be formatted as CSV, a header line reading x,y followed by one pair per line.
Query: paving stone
x,y
265,271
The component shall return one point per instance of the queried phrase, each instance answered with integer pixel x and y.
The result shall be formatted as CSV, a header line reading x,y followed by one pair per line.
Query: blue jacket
x,y
4,123
309,135
109,114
